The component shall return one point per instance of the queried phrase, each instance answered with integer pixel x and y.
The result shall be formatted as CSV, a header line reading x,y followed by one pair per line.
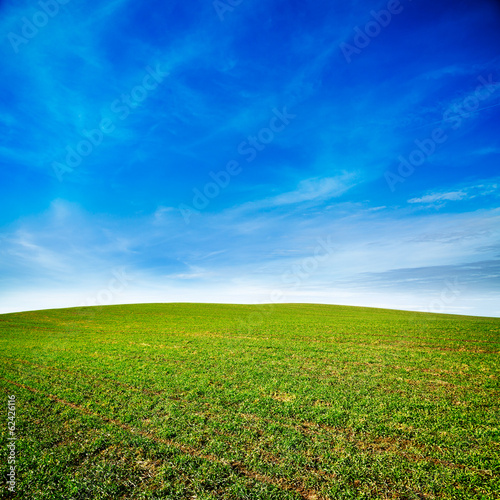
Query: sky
x,y
246,151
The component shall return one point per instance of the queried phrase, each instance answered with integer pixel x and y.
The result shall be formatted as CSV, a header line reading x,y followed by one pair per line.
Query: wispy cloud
x,y
432,198
466,193
313,190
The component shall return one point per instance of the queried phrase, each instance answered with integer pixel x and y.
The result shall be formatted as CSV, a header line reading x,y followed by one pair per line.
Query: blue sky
x,y
250,152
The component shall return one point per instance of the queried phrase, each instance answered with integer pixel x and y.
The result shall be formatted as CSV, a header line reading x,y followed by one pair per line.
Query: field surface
x,y
203,401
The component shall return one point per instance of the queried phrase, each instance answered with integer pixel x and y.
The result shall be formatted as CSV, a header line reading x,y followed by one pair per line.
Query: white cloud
x,y
308,190
432,198
66,255
481,188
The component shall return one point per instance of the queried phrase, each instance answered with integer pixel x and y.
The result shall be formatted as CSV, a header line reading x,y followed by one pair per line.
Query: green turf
x,y
204,401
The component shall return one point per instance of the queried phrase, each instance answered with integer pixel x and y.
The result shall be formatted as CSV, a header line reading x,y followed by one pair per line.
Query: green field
x,y
204,401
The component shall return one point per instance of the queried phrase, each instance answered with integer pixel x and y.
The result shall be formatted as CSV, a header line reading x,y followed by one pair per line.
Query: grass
x,y
204,401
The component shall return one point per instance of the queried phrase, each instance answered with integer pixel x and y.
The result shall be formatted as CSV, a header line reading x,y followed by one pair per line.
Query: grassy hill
x,y
205,401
